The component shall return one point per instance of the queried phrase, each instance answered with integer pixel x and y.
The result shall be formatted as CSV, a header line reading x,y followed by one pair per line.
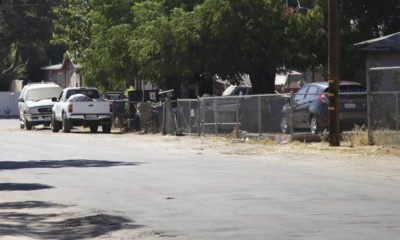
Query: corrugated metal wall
x,y
9,104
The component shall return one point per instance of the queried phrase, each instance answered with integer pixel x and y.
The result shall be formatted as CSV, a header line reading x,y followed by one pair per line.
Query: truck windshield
x,y
88,92
43,93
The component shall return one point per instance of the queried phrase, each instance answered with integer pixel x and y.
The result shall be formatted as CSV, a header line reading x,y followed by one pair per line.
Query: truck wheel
x,y
27,125
66,124
93,128
106,128
55,125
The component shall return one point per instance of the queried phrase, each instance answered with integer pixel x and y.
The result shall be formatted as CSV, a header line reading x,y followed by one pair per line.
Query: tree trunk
x,y
262,81
12,66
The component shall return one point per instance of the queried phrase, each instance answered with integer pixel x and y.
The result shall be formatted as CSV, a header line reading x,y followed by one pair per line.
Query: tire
x,y
284,124
93,128
66,124
55,125
314,126
106,128
21,125
27,125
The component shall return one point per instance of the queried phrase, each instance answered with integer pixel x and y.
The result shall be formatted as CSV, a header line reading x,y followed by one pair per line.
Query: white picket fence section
x,y
9,104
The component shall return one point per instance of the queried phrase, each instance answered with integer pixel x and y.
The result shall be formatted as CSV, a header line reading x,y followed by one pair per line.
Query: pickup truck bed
x,y
76,108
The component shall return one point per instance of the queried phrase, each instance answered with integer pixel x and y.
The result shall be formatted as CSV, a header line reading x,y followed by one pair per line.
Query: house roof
x,y
52,67
283,74
389,43
60,66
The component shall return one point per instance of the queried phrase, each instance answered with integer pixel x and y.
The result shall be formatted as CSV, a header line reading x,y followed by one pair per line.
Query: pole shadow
x,y
23,186
77,163
29,204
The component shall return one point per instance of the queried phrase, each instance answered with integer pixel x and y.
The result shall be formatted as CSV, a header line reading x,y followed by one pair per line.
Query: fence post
x,y
215,110
397,111
164,119
369,112
291,116
198,117
114,115
237,114
190,116
259,116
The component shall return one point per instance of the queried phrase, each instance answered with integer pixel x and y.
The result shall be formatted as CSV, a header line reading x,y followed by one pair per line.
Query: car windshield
x,y
43,93
349,88
88,92
229,91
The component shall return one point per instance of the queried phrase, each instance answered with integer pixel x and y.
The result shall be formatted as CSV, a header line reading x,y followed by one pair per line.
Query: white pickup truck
x,y
81,107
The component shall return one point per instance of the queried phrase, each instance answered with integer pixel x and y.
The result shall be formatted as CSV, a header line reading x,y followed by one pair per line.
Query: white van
x,y
35,104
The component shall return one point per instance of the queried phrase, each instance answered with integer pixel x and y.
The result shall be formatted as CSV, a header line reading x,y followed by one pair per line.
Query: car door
x,y
298,106
21,105
311,95
58,106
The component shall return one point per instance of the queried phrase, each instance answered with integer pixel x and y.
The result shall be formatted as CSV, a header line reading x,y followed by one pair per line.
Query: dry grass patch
x,y
358,137
386,138
265,141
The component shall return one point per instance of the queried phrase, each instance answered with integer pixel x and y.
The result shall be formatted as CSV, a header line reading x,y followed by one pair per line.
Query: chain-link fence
x,y
383,84
373,110
294,114
253,114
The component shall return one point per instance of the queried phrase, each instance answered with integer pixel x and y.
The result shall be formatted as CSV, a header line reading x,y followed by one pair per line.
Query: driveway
x,y
129,186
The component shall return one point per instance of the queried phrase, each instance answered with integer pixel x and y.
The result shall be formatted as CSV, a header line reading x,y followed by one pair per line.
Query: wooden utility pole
x,y
333,63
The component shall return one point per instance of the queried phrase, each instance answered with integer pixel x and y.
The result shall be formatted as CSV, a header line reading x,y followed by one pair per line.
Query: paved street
x,y
128,186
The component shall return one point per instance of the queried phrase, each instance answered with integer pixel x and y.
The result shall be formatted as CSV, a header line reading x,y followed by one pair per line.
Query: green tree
x,y
359,20
164,43
243,37
25,32
97,35
106,61
72,26
169,41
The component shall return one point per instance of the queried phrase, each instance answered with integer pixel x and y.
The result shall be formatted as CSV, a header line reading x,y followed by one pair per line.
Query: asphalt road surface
x,y
128,186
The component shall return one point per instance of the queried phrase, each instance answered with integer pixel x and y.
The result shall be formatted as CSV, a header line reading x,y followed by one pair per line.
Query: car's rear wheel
x,y
106,128
66,124
55,125
93,128
285,124
314,125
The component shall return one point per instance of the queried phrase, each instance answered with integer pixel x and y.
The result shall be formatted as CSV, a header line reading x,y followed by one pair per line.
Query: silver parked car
x,y
35,104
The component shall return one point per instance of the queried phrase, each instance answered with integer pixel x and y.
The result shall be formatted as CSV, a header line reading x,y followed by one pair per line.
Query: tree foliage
x,y
170,41
25,33
164,43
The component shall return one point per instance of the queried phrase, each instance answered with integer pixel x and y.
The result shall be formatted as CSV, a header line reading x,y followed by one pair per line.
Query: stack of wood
x,y
145,112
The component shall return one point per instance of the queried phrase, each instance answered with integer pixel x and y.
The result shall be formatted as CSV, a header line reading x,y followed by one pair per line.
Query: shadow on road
x,y
29,204
13,165
23,186
79,130
49,226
